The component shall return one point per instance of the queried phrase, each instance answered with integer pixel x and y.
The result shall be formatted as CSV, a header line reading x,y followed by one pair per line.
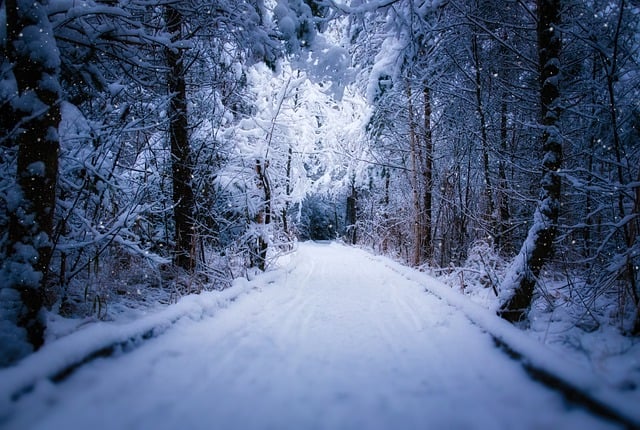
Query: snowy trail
x,y
337,341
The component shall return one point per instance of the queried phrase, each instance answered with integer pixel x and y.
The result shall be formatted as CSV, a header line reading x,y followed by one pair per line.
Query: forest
x,y
151,149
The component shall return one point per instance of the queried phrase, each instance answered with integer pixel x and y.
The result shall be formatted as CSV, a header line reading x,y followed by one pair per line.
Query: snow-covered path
x,y
336,341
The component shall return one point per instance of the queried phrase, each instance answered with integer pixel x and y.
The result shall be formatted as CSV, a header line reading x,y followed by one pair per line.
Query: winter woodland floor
x,y
333,339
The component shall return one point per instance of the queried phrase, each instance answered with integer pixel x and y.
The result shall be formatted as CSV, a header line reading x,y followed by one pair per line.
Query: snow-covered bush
x,y
480,275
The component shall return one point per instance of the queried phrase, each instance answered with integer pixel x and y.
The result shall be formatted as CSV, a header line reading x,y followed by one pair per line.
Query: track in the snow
x,y
338,340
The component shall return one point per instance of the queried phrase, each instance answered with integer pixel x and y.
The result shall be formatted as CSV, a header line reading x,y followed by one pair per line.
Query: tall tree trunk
x,y
264,217
351,215
181,163
32,120
386,174
484,141
587,231
288,179
503,238
634,232
517,288
503,199
611,68
415,192
287,203
427,174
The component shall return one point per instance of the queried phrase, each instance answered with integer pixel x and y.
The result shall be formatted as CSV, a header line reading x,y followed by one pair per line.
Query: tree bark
x,y
537,248
32,127
415,192
634,231
181,163
264,218
351,215
611,68
427,174
287,203
484,141
504,212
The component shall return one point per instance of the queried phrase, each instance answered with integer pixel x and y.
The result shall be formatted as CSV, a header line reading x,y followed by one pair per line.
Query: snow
x,y
36,168
12,344
13,197
387,63
66,352
40,44
536,355
332,338
586,331
29,103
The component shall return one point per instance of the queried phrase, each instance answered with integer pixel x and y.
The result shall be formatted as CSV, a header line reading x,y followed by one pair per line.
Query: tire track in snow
x,y
339,342
578,386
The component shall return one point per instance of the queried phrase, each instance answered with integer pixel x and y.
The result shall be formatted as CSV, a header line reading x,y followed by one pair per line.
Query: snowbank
x,y
543,363
58,359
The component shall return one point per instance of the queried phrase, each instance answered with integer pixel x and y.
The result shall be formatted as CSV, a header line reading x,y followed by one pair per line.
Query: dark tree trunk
x,y
414,176
503,199
634,232
264,217
287,204
351,215
427,174
33,130
484,140
629,237
538,246
181,163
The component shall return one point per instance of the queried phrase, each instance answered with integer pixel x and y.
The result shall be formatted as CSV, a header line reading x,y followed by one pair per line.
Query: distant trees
x,y
288,150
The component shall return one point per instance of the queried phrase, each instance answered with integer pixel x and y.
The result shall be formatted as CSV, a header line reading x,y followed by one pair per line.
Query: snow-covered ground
x,y
332,339
584,330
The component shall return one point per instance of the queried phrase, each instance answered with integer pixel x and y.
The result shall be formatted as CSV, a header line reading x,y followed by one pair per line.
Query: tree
x,y
601,165
517,287
401,86
181,159
30,101
193,27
